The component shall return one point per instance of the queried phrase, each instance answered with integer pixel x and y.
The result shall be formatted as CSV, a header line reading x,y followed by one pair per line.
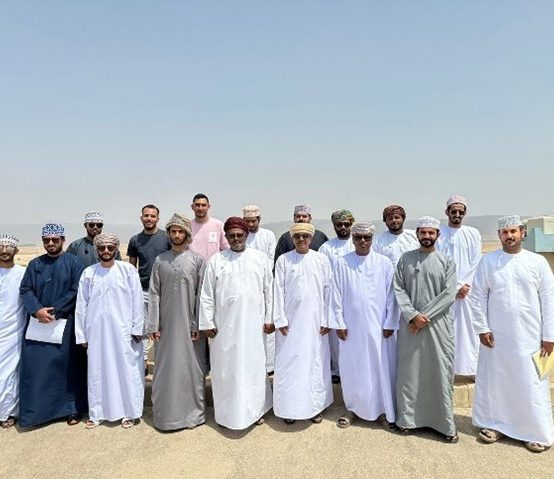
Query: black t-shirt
x,y
146,248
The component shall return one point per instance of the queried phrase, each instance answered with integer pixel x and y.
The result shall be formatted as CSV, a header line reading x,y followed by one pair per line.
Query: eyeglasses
x,y
51,240
366,238
235,235
301,236
95,225
103,247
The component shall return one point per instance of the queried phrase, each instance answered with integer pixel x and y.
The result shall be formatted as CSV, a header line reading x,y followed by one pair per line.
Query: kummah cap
x,y
53,229
428,222
363,227
299,228
235,222
106,238
342,215
181,221
302,209
394,210
94,217
456,199
9,240
507,221
251,211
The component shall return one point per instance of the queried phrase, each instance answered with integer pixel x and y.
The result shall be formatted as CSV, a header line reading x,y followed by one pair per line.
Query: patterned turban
x,y
456,199
299,228
106,238
394,210
235,222
507,221
363,228
428,222
251,211
94,217
53,229
302,209
9,240
342,215
181,221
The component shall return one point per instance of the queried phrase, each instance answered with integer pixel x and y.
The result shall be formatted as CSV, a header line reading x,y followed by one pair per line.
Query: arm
x,y
207,299
327,277
442,302
480,300
546,298
391,320
27,291
271,248
83,296
279,317
200,274
473,260
137,325
132,253
268,292
402,298
153,320
66,304
336,313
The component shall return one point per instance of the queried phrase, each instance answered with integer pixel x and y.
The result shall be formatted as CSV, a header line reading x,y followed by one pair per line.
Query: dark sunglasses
x,y
51,240
109,247
362,237
95,225
301,236
235,235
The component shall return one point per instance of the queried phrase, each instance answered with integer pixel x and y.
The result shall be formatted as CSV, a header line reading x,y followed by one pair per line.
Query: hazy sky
x,y
113,104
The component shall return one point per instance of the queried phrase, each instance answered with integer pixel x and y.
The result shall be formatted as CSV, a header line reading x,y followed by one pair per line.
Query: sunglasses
x,y
103,247
301,236
362,237
235,235
95,225
51,240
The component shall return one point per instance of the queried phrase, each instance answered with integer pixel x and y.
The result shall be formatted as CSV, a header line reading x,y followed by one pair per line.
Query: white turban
x,y
507,221
428,222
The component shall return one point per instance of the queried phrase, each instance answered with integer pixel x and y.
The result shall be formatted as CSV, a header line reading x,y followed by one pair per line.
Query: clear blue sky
x,y
113,104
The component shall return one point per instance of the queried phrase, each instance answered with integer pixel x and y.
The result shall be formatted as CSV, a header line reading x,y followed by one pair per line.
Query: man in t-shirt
x,y
208,236
143,250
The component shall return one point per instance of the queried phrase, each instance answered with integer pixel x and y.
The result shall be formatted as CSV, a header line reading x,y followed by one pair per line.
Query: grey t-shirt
x,y
146,248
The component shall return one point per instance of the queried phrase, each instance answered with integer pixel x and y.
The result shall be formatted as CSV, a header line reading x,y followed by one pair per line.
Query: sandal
x,y
535,447
452,439
403,430
490,436
126,423
260,421
90,424
10,422
346,419
73,420
388,426
317,419
290,421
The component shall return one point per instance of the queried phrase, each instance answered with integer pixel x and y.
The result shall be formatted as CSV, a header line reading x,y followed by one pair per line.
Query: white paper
x,y
51,332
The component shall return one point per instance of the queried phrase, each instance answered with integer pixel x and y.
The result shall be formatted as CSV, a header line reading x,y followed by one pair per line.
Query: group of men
x,y
395,316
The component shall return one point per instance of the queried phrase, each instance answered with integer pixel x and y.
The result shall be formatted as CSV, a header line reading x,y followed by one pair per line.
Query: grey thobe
x,y
426,283
178,385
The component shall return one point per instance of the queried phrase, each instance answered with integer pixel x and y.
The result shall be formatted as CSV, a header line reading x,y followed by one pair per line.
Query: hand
x,y
44,316
417,323
269,328
195,335
155,336
463,291
323,330
342,334
284,330
210,333
487,339
387,333
546,348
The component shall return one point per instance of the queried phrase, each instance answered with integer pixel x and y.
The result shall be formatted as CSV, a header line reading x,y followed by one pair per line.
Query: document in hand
x,y
545,366
46,332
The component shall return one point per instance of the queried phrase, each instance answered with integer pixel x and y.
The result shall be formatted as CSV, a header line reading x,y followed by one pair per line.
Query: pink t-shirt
x,y
208,238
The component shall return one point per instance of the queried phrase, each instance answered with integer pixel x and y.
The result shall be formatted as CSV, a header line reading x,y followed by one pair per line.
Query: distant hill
x,y
29,234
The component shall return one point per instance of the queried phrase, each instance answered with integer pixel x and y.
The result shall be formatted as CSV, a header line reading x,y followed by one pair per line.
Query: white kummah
x,y
507,221
363,303
513,297
109,310
236,299
463,245
12,325
428,222
302,383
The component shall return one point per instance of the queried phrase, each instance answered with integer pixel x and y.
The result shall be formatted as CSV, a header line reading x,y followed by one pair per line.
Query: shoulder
x,y
72,259
76,243
267,233
215,223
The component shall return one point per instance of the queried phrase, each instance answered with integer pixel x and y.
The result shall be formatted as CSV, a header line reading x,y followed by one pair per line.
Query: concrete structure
x,y
540,237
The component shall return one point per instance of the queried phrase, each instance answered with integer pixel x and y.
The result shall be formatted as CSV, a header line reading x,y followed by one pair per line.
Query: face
x,y
149,218
53,244
511,238
200,207
7,253
177,236
455,213
302,242
362,243
253,223
236,238
394,222
342,229
302,218
94,228
427,236
106,252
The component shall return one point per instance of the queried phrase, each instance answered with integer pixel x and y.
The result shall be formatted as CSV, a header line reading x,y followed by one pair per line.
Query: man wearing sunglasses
x,y
53,376
84,247
463,244
108,322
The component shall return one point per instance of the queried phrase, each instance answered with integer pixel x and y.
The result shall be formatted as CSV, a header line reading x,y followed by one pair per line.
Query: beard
x,y
427,243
